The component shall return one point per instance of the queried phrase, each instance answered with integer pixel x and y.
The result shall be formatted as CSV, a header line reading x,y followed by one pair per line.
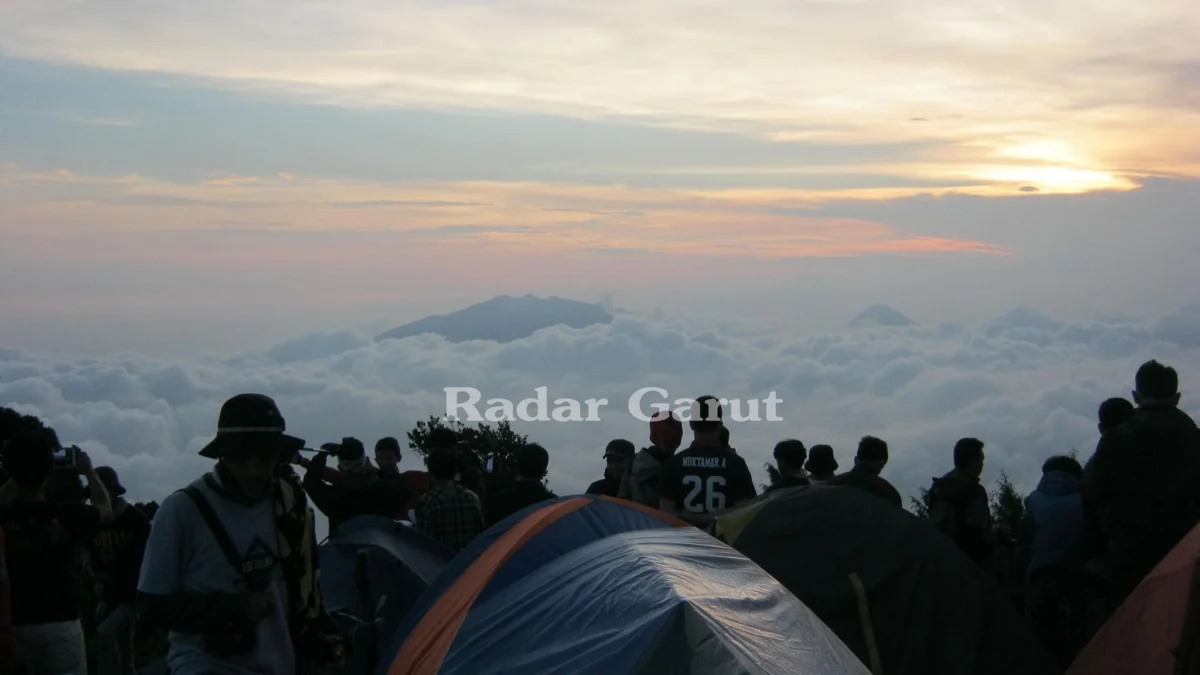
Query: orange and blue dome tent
x,y
1156,631
595,585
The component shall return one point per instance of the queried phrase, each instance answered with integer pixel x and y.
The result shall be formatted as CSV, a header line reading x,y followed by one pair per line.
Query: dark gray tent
x,y
895,590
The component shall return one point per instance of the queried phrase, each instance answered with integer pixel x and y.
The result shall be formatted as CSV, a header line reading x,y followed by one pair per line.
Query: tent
x,y
895,590
369,558
653,602
1156,630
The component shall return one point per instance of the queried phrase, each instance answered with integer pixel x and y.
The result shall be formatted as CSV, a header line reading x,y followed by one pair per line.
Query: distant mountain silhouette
x,y
881,315
504,319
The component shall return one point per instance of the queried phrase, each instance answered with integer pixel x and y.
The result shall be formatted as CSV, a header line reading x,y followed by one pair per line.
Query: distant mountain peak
x,y
882,315
504,318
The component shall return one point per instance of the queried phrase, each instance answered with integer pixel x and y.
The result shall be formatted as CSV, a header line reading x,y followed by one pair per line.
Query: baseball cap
x,y
108,476
248,416
619,448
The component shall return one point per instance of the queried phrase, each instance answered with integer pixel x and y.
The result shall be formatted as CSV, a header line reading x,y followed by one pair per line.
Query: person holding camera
x,y
231,564
44,544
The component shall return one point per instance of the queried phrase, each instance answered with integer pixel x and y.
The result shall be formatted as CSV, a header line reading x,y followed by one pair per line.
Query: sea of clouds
x,y
1026,383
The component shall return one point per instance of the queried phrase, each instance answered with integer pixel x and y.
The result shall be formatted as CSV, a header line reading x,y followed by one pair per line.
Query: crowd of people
x,y
228,568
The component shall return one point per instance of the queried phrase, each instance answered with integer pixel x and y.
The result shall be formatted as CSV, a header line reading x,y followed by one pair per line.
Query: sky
x,y
185,184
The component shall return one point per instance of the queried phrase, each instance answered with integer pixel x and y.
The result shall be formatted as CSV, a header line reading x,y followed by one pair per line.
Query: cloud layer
x,y
1026,383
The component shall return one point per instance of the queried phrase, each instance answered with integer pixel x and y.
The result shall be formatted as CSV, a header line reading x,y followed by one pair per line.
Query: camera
x,y
66,456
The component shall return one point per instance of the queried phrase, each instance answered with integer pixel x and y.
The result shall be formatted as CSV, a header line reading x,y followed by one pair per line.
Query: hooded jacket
x,y
640,484
1053,523
1142,490
958,507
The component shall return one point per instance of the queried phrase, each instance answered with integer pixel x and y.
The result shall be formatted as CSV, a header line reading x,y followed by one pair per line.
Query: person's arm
x,y
328,499
97,493
163,600
893,495
745,489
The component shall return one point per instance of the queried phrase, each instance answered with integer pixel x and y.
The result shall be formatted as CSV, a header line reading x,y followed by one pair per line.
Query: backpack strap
x,y
214,524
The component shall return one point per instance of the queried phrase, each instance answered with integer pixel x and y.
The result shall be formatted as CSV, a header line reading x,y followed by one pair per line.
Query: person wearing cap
x,y
789,460
45,541
115,561
528,487
822,465
361,490
868,465
706,478
640,483
618,455
231,565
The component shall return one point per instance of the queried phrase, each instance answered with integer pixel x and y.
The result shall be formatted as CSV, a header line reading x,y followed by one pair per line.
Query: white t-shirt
x,y
183,555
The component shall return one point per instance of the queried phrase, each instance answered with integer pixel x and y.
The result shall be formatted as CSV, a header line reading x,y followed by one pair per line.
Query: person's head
x,y
1156,385
618,455
112,483
706,418
442,464
1063,464
387,455
532,462
724,436
821,462
441,438
666,431
1113,413
352,456
789,456
250,441
872,455
968,457
29,459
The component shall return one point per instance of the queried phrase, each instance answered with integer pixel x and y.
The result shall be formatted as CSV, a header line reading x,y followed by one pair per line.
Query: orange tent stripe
x,y
425,649
665,517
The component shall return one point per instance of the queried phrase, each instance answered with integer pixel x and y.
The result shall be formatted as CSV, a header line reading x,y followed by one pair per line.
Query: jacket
x,y
958,507
640,484
1141,491
1053,523
868,482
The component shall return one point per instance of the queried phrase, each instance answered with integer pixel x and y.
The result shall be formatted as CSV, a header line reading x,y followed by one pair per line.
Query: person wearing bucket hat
x,y
822,465
115,553
231,566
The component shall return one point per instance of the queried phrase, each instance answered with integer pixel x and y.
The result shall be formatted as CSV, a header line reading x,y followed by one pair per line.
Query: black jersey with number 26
x,y
706,480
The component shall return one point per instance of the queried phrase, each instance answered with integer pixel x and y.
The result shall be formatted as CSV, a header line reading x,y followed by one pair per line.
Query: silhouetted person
x,y
116,551
1113,413
821,465
1052,528
707,478
448,512
868,464
958,505
231,566
529,470
618,455
10,659
640,483
1142,486
361,491
44,546
789,461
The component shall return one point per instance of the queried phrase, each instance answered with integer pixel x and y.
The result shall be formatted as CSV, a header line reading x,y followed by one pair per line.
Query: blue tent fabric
x,y
599,519
652,602
401,563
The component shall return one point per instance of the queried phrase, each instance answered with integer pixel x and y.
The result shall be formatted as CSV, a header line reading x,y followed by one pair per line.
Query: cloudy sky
x,y
185,185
